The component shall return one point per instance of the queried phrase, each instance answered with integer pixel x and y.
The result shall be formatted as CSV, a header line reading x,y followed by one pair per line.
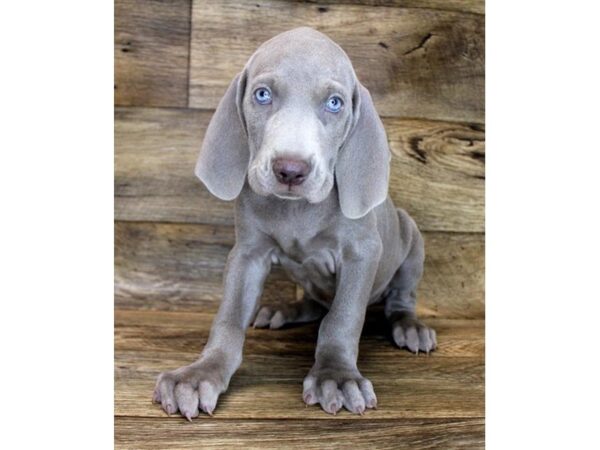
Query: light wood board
x,y
422,63
437,172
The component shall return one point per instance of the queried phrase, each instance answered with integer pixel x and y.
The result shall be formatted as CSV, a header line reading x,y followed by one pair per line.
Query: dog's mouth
x,y
288,197
288,193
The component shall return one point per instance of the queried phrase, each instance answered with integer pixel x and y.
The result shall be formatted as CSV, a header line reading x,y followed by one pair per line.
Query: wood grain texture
x,y
180,267
133,432
437,173
179,333
160,266
152,52
416,62
471,6
447,384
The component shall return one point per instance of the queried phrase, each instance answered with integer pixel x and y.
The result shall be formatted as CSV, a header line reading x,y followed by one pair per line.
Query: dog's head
x,y
295,121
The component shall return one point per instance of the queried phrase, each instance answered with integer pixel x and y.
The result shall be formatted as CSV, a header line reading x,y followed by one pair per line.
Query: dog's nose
x,y
290,171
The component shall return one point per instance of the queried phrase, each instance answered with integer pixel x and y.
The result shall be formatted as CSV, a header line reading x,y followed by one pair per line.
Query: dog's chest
x,y
307,241
311,262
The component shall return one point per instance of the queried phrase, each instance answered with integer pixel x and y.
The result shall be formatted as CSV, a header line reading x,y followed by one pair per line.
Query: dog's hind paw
x,y
294,313
411,333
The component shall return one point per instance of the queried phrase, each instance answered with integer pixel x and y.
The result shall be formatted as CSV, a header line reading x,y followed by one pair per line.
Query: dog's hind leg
x,y
401,298
303,311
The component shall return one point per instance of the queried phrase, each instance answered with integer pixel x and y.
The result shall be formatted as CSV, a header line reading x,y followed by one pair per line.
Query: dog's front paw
x,y
333,388
189,388
413,334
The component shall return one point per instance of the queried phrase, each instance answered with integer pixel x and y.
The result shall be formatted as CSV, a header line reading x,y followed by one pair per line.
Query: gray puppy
x,y
297,142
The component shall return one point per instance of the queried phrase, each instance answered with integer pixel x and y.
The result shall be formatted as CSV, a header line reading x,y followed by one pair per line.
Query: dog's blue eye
x,y
263,96
334,104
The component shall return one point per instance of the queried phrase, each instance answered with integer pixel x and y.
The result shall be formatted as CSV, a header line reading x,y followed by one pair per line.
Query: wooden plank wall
x,y
423,62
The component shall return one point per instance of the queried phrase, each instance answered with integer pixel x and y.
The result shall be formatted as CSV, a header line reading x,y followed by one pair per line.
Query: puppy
x,y
296,141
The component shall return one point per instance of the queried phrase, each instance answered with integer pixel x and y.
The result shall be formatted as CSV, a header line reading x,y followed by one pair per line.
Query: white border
x,y
542,225
57,224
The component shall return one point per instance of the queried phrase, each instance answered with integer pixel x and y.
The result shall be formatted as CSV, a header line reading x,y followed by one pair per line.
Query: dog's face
x,y
298,106
295,123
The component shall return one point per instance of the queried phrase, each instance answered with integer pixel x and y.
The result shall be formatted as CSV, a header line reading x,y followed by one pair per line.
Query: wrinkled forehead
x,y
302,55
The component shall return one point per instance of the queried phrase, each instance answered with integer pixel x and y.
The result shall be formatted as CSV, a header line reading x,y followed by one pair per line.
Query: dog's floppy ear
x,y
363,165
224,157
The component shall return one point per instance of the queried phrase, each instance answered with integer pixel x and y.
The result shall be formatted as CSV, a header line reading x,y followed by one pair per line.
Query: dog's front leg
x,y
334,380
200,384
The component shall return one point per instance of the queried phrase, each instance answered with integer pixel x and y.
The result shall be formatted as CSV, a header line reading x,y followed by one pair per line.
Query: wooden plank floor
x,y
424,401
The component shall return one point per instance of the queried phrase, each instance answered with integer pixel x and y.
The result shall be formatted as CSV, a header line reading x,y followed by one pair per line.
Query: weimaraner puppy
x,y
296,141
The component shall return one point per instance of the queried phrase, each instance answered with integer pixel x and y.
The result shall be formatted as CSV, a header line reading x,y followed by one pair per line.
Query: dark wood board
x,y
152,52
180,267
